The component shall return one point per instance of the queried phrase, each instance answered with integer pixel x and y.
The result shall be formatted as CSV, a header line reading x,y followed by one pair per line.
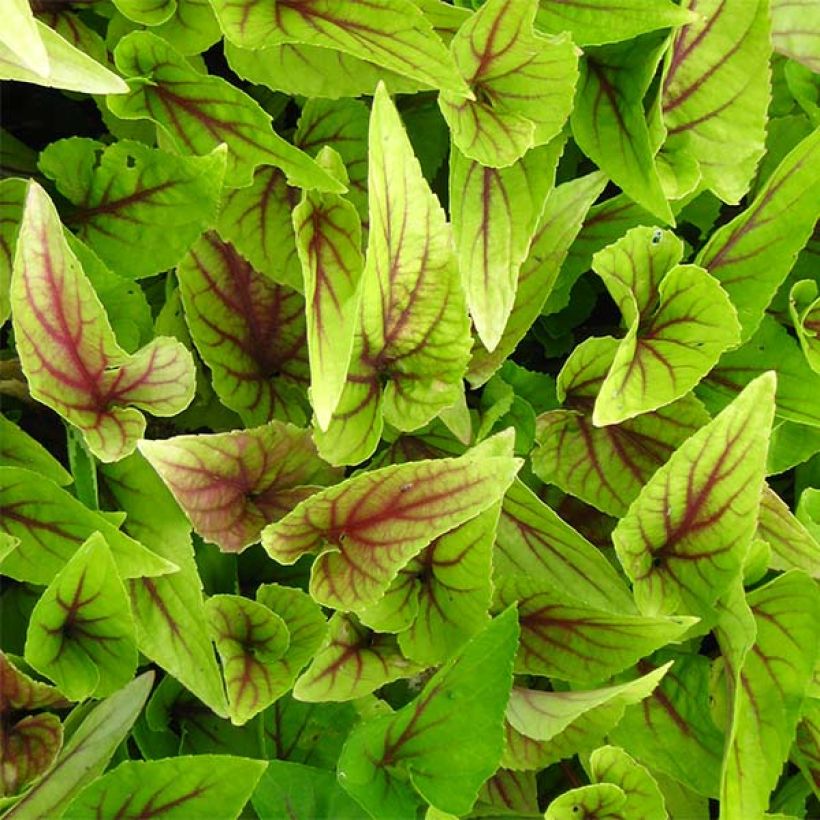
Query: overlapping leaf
x,y
139,208
793,546
12,198
365,529
232,484
603,801
18,449
198,112
28,748
389,764
414,332
716,90
68,350
522,84
804,306
684,538
794,31
248,330
611,764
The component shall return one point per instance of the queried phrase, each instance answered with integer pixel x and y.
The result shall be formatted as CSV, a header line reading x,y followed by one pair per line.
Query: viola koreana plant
x,y
409,409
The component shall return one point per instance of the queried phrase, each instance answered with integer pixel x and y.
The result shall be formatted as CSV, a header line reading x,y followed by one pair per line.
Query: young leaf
x,y
522,84
248,330
389,764
804,307
367,528
494,212
716,90
602,801
684,538
610,764
18,449
139,208
68,350
391,33
81,632
231,485
752,254
606,466
149,12
29,748
198,112
87,752
51,526
328,237
352,662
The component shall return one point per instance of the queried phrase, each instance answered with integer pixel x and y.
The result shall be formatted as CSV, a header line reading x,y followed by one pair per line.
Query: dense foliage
x,y
410,409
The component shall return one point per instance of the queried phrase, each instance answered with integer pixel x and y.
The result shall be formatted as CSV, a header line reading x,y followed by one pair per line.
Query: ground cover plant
x,y
409,409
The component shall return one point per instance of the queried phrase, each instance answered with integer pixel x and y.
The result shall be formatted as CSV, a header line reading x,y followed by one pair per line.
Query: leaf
x,y
68,67
609,123
28,749
52,525
139,208
606,466
807,743
389,764
684,538
804,307
21,692
328,237
773,681
248,330
678,319
508,793
533,542
23,39
12,199
86,753
610,764
352,662
794,31
81,632
716,90
169,613
192,27
793,546
494,212
601,801
197,112
68,351
248,637
564,638
18,449
393,33
414,332
368,527
752,254
544,727
149,12
231,485
182,787
608,22
522,83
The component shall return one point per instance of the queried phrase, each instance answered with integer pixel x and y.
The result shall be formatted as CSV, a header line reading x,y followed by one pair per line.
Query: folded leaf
x,y
752,254
248,330
231,485
804,307
198,112
68,350
367,528
139,208
716,90
20,692
389,764
522,84
30,747
684,538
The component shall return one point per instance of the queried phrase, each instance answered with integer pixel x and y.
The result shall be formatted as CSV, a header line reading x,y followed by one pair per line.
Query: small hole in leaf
x,y
130,162
657,236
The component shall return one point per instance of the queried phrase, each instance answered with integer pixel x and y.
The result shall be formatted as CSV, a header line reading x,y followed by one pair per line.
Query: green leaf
x,y
214,785
68,350
804,307
87,752
678,319
752,254
18,449
606,466
601,801
81,632
23,39
716,90
21,692
806,750
495,212
248,330
609,123
149,12
794,31
608,22
52,525
12,199
414,331
139,208
793,546
610,764
773,680
683,540
30,746
393,34
368,527
191,28
328,236
231,485
522,84
352,662
389,764
197,112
